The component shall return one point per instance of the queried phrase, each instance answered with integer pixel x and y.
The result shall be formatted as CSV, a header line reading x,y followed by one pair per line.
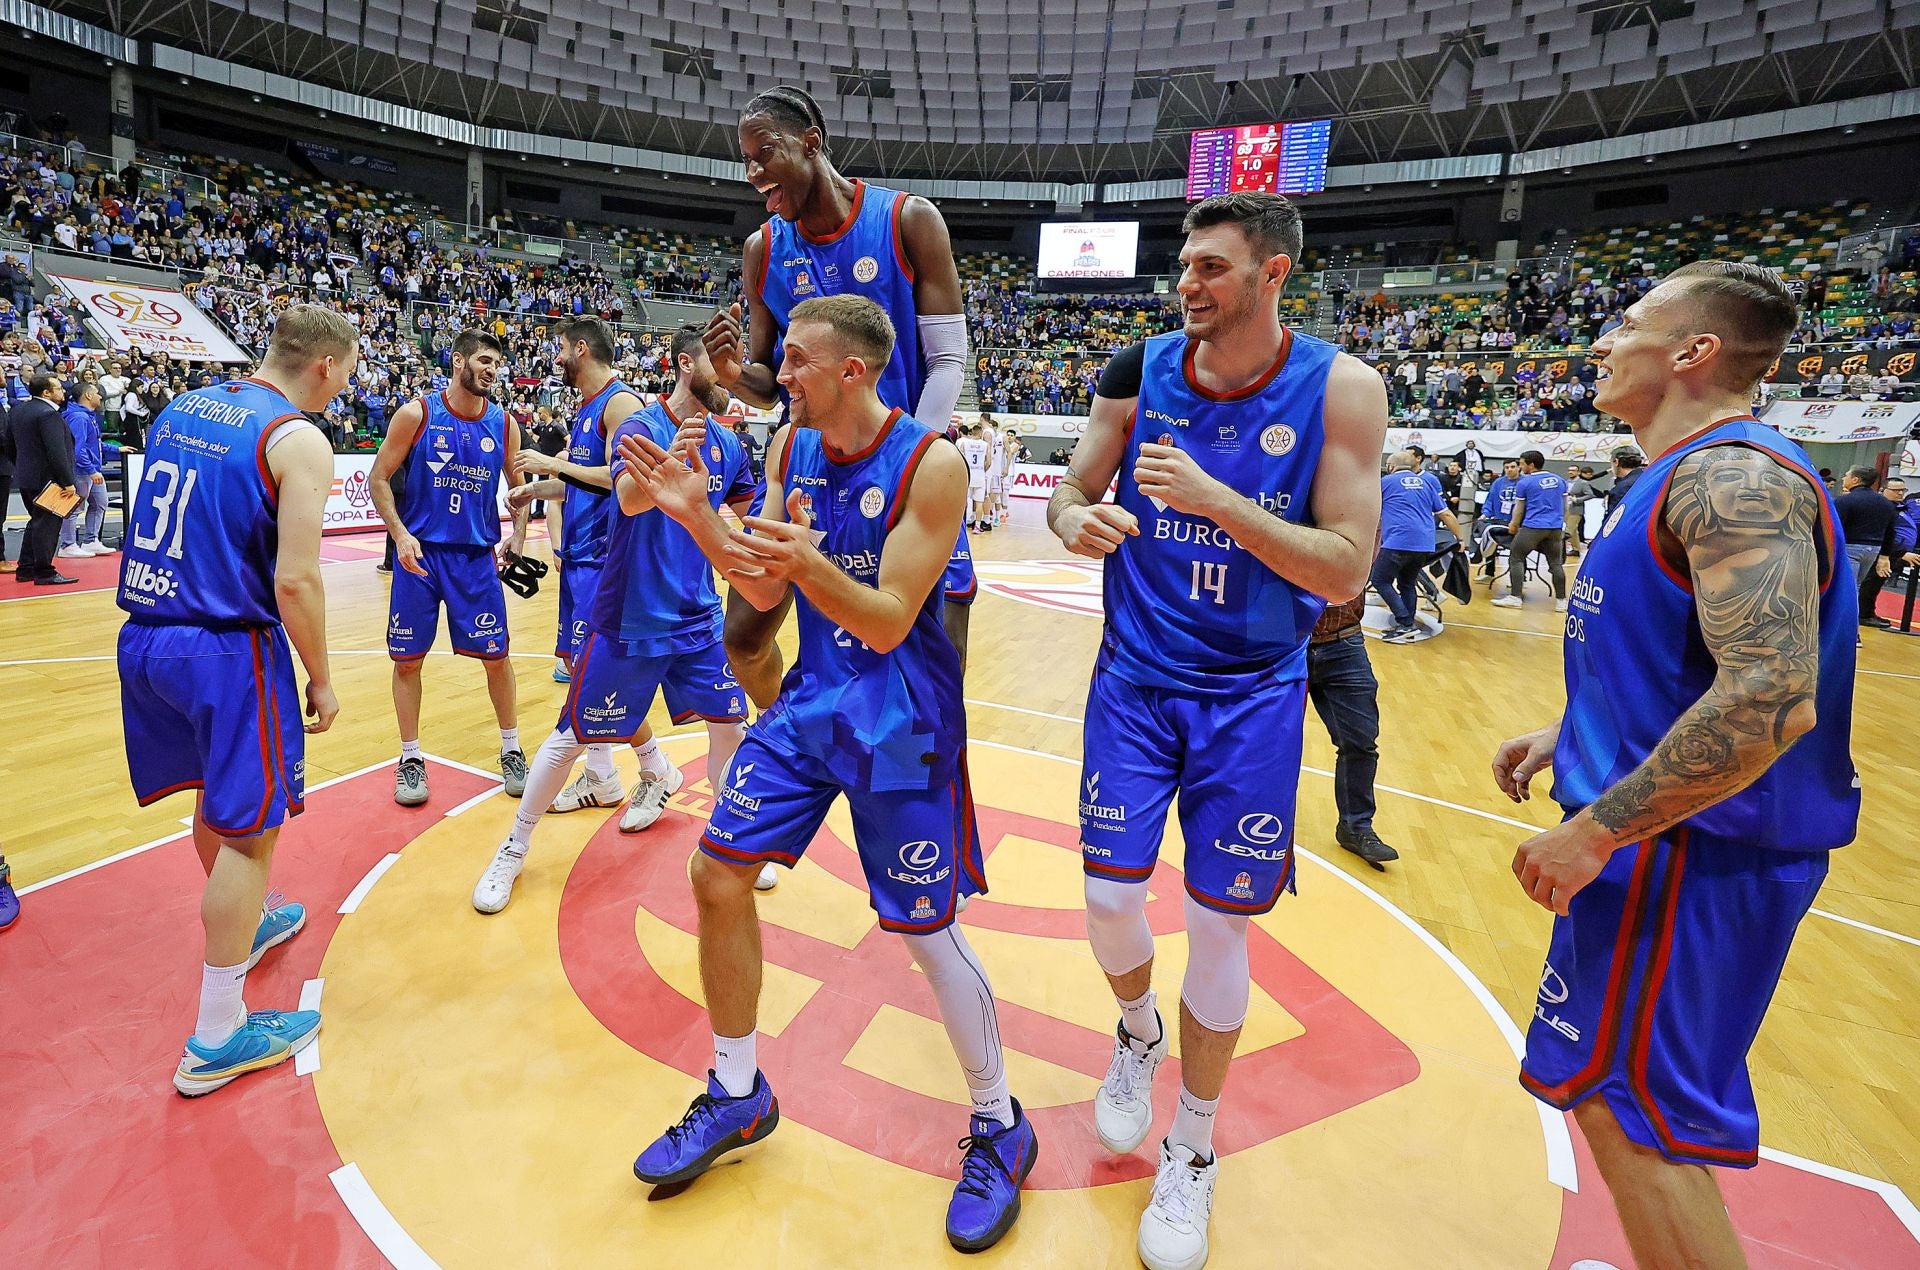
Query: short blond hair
x,y
858,321
306,333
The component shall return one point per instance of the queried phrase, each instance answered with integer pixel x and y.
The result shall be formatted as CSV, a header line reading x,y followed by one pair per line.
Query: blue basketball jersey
x,y
1635,662
202,537
875,721
1187,607
453,472
865,256
656,587
587,514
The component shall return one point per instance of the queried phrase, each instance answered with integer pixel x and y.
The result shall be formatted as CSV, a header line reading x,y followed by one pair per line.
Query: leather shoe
x,y
58,579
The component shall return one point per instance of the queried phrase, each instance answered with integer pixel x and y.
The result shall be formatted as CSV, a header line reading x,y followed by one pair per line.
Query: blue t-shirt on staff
x,y
1546,498
1408,505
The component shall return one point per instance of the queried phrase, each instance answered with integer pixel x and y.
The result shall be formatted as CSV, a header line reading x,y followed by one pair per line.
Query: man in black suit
x,y
43,448
6,473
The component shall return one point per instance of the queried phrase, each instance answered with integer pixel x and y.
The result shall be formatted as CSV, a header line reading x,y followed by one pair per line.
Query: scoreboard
x,y
1267,158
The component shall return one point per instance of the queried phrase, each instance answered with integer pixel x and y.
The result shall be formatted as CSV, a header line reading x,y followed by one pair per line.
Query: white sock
x,y
1141,1018
222,1008
959,984
735,1061
1193,1125
410,749
509,740
600,762
546,777
652,761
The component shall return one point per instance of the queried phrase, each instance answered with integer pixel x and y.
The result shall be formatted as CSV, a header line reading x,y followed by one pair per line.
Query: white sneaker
x,y
495,887
1508,602
1173,1230
1123,1109
96,548
1559,606
75,552
768,879
650,796
587,791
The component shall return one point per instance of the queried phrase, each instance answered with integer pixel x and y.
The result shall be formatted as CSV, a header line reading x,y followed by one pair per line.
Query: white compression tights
x,y
1215,990
547,773
960,985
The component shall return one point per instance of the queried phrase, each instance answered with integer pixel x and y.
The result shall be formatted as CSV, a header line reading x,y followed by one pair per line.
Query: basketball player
x,y
654,622
222,569
975,450
1009,459
1702,764
454,445
1248,457
863,505
582,483
828,235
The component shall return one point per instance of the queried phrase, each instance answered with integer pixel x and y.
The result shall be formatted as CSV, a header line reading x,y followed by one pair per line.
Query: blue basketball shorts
x,y
466,581
958,583
919,848
1655,985
578,582
216,711
613,686
1235,762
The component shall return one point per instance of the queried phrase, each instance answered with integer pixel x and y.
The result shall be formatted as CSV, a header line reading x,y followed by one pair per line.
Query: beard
x,y
470,380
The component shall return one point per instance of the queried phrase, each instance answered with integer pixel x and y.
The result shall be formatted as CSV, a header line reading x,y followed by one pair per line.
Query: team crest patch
x,y
871,501
1613,520
866,269
1277,439
1242,888
802,283
715,452
486,445
923,909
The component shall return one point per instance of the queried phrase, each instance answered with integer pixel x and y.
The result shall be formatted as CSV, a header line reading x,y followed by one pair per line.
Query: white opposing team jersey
x,y
997,458
974,451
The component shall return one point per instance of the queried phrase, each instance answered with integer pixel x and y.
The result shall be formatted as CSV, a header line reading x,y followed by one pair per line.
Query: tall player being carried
x,y
653,623
222,567
1248,457
445,524
863,504
582,482
1702,764
829,235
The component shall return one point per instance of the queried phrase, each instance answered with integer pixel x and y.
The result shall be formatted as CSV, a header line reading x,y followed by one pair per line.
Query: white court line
x,y
58,593
1896,1199
307,1061
394,1243
473,802
1562,1168
332,652
1878,930
359,892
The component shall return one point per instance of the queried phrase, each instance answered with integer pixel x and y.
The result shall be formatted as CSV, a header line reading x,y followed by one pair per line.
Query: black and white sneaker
x,y
1366,844
410,782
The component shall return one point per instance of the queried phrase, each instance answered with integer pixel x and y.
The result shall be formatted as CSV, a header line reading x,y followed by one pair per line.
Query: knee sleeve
x,y
1216,988
1117,924
960,985
722,740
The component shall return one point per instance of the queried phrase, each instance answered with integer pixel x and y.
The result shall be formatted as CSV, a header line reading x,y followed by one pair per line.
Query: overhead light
x,y
1366,189
616,171
383,127
439,141
1744,144
712,181
1649,159
1847,131
256,99
1566,171
1490,180
185,80
523,158
107,60
1433,185
566,163
320,114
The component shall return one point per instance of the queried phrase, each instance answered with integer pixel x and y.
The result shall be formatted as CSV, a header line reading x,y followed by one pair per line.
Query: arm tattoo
x,y
1749,528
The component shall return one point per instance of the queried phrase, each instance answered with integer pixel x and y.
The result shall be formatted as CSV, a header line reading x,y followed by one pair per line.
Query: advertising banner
x,y
151,319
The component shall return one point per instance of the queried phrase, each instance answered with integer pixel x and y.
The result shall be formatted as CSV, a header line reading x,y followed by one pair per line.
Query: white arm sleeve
x,y
943,341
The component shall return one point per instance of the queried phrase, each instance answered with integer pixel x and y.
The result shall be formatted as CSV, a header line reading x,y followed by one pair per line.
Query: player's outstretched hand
x,y
406,550
675,483
322,707
1516,761
725,343
778,549
1098,530
530,462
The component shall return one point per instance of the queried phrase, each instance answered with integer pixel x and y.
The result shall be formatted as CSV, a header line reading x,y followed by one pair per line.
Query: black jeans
x,y
1394,577
1550,543
6,493
1871,584
36,549
1345,695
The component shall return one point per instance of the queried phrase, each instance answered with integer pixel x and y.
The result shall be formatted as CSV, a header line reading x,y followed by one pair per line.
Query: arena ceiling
x,y
1071,90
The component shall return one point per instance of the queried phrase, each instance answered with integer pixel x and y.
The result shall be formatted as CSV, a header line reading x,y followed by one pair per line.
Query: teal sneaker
x,y
266,1039
278,923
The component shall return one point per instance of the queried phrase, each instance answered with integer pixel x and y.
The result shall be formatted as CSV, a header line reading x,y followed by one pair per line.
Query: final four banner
x,y
151,319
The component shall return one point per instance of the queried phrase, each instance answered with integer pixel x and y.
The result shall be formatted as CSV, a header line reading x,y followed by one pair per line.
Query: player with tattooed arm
x,y
1702,762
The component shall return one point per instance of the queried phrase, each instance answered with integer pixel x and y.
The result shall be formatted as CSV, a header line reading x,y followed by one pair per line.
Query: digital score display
x,y
1266,158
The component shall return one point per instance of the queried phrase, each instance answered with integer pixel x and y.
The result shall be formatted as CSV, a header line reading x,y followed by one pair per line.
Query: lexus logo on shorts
x,y
486,620
1553,989
920,856
1261,828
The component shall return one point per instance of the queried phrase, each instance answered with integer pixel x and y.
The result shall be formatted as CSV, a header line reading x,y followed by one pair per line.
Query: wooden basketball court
x,y
483,1084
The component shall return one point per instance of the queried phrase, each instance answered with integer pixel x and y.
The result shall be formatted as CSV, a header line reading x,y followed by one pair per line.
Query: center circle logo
x,y
1277,439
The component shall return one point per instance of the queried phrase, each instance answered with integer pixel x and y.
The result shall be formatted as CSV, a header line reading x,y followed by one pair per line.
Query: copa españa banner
x,y
151,319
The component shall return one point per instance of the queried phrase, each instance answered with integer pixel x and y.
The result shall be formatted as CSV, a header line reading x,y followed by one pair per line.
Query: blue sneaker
x,y
562,674
9,901
987,1201
278,923
714,1125
267,1038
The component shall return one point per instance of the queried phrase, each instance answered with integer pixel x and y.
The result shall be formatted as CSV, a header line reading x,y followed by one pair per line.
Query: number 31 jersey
x,y
1189,609
202,534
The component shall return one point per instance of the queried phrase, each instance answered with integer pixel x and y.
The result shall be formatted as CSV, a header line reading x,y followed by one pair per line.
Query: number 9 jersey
x,y
202,537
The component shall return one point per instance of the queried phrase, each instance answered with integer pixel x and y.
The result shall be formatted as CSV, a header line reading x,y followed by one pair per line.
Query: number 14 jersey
x,y
1187,607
